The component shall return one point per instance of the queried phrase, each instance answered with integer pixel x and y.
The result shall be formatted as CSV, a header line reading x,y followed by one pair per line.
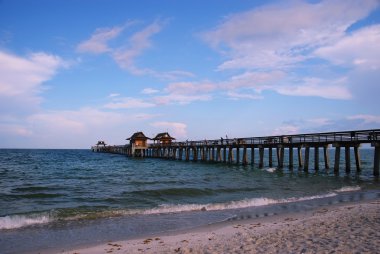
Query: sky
x,y
75,72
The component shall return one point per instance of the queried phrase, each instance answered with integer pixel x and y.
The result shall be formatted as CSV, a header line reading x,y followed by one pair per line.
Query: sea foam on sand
x,y
349,228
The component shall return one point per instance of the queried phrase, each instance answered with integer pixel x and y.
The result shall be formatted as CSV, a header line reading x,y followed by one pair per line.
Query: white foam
x,y
18,221
254,202
270,170
348,189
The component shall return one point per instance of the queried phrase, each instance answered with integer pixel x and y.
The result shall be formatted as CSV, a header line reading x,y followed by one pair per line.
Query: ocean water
x,y
51,199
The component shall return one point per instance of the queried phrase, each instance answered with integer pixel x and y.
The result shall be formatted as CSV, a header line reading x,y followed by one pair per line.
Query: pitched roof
x,y
138,135
163,135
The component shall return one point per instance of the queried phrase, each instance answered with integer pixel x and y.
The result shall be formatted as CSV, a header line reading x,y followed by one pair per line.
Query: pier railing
x,y
361,136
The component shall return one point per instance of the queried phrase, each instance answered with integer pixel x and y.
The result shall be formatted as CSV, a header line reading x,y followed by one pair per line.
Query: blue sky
x,y
74,72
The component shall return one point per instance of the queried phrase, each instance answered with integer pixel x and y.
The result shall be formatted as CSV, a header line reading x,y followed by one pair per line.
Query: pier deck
x,y
236,150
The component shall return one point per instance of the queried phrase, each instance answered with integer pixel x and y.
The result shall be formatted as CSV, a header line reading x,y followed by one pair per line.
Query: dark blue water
x,y
59,190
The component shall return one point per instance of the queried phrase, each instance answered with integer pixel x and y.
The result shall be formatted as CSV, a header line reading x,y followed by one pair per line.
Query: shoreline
x,y
341,228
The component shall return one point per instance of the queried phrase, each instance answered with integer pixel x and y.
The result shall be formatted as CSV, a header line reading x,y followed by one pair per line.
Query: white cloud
x,y
180,99
327,92
24,76
138,43
359,49
15,130
97,44
281,35
282,47
149,91
186,88
236,96
258,81
177,130
128,102
286,129
367,119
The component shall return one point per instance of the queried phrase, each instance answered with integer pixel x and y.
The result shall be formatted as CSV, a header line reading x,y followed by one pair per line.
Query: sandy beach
x,y
349,228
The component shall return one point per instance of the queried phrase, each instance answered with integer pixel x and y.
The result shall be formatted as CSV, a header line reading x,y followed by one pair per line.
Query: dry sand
x,y
350,228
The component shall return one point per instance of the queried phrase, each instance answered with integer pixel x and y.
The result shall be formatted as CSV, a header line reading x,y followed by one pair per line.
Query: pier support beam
x,y
245,157
270,157
218,154
237,155
225,154
278,153
299,152
307,155
291,157
347,158
357,158
326,156
316,158
282,154
261,155
376,159
337,158
230,155
252,155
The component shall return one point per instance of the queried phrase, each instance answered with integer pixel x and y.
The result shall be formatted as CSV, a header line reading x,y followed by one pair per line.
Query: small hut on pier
x,y
99,147
163,138
138,143
101,143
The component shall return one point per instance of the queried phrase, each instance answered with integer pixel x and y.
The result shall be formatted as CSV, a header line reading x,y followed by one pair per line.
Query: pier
x,y
236,150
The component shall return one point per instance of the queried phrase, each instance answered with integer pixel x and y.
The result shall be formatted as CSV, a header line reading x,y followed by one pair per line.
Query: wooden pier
x,y
236,150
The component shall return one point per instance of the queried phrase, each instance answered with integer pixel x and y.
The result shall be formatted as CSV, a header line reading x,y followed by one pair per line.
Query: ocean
x,y
54,199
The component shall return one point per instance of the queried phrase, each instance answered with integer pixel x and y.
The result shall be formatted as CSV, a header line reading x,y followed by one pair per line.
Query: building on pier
x,y
163,138
138,143
99,146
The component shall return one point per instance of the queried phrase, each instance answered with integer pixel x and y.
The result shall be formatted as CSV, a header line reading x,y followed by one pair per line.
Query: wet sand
x,y
348,228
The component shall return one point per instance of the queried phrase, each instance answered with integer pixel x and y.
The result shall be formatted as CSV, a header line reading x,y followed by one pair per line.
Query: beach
x,y
345,228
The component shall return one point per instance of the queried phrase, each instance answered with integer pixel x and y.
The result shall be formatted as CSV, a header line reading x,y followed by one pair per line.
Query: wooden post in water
x,y
326,156
376,159
218,154
187,154
307,155
278,152
225,154
252,155
230,155
347,158
261,155
270,157
291,157
357,157
337,158
316,158
237,154
282,154
299,151
245,157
